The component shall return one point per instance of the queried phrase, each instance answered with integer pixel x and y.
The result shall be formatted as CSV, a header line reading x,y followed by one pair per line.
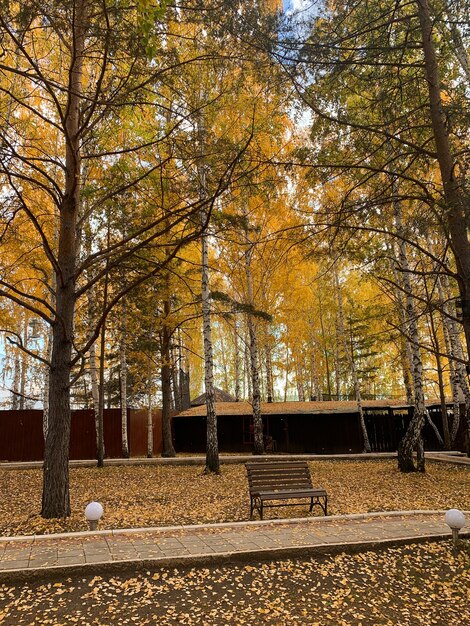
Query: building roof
x,y
220,396
296,408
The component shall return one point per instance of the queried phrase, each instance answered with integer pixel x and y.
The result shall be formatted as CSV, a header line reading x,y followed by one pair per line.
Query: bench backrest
x,y
279,476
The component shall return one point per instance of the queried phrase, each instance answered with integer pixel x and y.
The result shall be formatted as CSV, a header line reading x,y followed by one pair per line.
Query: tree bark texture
x,y
149,410
168,449
456,199
212,444
258,443
412,439
123,380
238,361
269,373
56,497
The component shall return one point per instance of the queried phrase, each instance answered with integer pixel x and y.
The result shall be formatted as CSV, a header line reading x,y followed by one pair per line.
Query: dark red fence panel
x,y
21,436
22,439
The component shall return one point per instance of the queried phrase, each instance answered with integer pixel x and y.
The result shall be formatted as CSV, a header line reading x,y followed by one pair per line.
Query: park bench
x,y
286,480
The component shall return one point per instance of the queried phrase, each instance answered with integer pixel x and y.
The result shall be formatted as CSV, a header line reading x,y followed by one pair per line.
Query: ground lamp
x,y
455,519
93,514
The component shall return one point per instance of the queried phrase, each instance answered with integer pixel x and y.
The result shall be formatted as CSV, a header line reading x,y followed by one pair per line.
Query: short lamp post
x,y
455,519
93,514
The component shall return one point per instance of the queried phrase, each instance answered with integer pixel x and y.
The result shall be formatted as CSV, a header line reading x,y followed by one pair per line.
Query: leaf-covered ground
x,y
415,585
142,496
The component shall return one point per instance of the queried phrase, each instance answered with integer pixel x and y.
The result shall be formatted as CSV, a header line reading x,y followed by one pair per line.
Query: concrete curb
x,y
201,527
214,559
201,460
449,457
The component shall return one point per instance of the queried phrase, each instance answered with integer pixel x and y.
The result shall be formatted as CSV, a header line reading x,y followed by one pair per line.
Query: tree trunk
x,y
440,377
325,350
413,437
457,202
269,374
15,387
456,349
24,365
95,388
286,366
238,363
56,497
149,410
100,452
300,382
457,41
100,431
258,443
168,449
352,364
338,340
212,443
123,381
405,351
247,374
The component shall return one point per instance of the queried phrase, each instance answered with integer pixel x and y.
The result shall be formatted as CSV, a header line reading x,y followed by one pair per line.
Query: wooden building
x,y
306,427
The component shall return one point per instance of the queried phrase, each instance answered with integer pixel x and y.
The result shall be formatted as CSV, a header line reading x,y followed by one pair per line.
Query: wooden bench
x,y
286,480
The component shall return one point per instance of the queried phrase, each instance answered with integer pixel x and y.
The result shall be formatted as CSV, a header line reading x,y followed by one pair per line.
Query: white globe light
x,y
455,519
93,511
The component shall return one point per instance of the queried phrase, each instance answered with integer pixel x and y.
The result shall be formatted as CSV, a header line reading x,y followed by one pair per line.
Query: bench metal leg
x,y
323,506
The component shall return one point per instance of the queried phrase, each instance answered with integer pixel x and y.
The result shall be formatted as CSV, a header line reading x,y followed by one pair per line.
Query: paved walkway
x,y
22,557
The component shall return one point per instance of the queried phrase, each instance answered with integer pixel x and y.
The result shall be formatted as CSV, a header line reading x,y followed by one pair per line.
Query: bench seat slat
x,y
286,495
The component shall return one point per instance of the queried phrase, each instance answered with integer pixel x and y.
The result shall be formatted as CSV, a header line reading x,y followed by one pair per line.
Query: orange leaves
x,y
166,496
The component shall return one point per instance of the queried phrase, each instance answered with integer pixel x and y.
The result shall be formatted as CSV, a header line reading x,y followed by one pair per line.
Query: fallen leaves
x,y
414,585
141,496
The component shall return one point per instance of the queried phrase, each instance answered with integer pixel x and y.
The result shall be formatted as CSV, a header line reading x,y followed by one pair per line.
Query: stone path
x,y
137,548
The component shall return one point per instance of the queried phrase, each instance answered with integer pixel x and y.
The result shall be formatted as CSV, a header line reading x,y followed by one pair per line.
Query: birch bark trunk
x,y
247,373
352,364
95,388
269,374
123,380
258,444
149,410
212,443
336,362
459,47
325,351
168,449
24,365
412,439
15,400
406,354
456,349
445,443
238,363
